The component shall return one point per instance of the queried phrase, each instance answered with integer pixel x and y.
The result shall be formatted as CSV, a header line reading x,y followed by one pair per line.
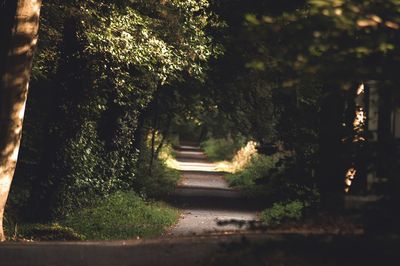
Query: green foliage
x,y
161,46
98,71
43,232
282,211
275,178
221,149
123,215
347,34
92,172
52,17
259,167
154,180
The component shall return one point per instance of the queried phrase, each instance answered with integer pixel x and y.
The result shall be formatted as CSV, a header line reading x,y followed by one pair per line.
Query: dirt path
x,y
208,204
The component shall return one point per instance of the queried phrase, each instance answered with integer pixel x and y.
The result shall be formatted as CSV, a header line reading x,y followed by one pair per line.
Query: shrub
x,y
156,180
276,178
282,211
241,159
257,168
123,215
221,149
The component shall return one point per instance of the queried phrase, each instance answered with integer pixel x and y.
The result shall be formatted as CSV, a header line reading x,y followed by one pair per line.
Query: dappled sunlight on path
x,y
207,202
196,166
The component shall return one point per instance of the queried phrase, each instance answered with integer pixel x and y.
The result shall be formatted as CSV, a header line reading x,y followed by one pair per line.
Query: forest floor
x,y
218,226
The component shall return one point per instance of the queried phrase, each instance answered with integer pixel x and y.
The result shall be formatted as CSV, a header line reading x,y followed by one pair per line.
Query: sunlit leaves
x,y
106,60
162,46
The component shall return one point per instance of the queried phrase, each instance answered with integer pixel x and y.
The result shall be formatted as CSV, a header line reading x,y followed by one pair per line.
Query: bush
x,y
281,211
123,215
241,159
276,178
156,180
258,167
221,149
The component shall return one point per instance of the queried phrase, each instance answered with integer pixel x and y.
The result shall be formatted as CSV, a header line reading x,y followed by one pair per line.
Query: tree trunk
x,y
153,141
19,29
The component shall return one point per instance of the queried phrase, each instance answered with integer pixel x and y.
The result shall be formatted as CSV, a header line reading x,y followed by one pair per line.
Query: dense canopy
x,y
116,85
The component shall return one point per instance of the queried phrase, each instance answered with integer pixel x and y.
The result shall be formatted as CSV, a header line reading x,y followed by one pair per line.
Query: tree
x,y
303,86
19,30
97,70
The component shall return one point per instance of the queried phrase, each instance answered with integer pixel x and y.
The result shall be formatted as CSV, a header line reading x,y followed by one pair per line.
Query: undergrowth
x,y
275,179
258,167
42,232
241,159
123,215
282,211
221,149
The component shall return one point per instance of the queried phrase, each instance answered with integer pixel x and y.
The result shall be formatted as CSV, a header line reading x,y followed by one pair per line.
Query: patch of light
x,y
359,128
192,166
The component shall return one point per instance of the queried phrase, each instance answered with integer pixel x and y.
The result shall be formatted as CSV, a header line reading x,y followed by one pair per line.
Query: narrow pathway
x,y
210,209
208,205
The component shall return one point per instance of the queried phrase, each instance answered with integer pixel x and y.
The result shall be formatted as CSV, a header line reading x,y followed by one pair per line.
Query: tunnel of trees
x,y
114,82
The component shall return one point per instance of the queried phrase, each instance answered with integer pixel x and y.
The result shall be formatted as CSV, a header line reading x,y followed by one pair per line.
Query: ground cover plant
x,y
41,232
122,215
281,212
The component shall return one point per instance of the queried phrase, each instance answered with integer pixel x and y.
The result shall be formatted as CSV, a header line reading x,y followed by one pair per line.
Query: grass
x,y
123,215
42,232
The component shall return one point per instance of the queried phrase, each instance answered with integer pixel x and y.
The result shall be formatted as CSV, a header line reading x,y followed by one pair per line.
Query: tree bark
x,y
19,30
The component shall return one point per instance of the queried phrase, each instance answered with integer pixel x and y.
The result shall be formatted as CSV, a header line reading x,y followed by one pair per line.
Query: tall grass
x,y
123,215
